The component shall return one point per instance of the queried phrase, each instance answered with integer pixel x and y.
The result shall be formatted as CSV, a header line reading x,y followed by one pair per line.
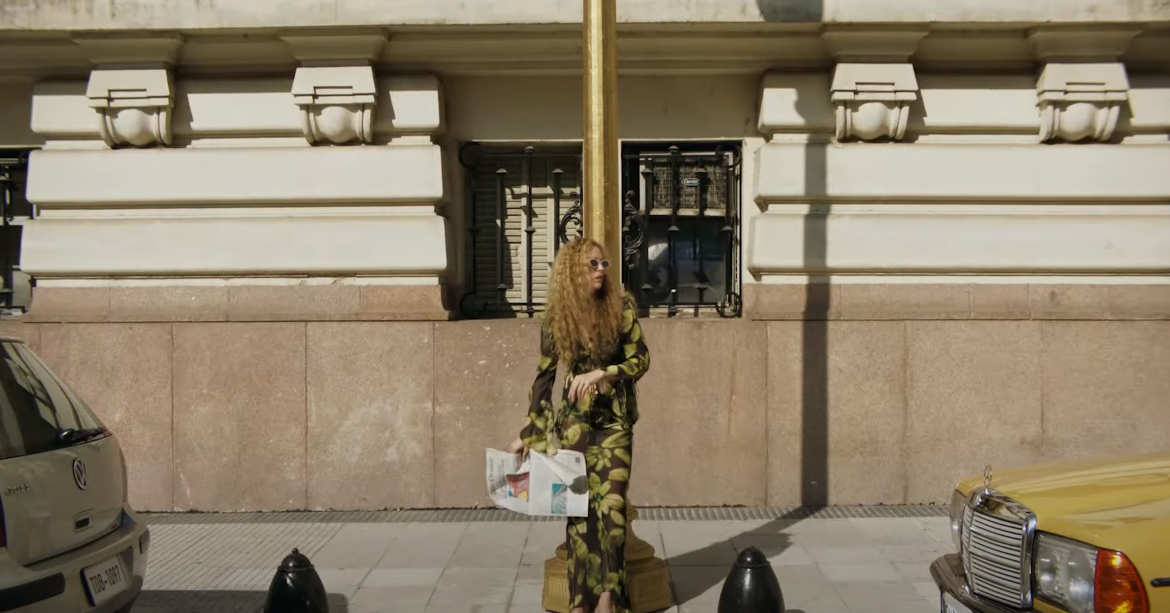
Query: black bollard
x,y
296,588
751,586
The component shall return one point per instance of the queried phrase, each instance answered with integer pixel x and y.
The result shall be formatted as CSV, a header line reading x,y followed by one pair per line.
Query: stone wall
x,y
889,402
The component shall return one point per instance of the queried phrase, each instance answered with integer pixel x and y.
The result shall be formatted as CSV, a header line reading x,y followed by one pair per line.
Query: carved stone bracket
x,y
337,103
872,101
1081,101
134,104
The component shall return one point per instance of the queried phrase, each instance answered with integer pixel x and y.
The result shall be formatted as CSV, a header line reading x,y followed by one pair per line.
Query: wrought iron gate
x,y
681,235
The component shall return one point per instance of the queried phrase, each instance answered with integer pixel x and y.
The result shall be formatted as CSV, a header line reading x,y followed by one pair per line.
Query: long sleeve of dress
x,y
634,349
540,408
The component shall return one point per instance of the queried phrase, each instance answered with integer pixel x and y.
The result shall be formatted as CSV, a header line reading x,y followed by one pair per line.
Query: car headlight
x,y
1083,579
1065,573
958,507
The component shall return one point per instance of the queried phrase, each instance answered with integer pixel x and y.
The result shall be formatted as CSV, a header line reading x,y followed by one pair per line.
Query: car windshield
x,y
38,412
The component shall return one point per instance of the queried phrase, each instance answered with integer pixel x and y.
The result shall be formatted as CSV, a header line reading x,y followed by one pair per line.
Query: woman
x,y
591,325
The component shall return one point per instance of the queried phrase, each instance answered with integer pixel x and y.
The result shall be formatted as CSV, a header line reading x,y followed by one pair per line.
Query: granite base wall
x,y
284,415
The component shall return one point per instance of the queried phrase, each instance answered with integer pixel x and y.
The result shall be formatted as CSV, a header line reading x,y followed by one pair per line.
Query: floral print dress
x,y
601,427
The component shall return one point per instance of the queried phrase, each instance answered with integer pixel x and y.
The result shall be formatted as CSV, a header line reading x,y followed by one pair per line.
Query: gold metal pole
x,y
602,189
647,577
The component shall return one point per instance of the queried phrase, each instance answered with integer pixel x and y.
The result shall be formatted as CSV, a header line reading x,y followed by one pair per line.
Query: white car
x,y
69,541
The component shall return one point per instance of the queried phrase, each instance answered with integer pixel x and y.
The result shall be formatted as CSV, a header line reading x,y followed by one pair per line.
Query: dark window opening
x,y
15,209
681,232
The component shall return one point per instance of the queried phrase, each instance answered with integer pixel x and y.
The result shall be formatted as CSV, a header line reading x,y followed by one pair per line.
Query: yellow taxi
x,y
1075,537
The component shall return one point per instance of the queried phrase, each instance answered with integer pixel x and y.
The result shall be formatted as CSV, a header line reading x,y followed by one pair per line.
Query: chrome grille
x,y
995,553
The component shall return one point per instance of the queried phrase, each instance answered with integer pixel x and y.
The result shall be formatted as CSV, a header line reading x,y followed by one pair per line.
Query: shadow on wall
x,y
815,356
792,11
815,344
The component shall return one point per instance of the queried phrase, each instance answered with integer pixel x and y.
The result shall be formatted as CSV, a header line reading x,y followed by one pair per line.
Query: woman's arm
x,y
637,354
540,409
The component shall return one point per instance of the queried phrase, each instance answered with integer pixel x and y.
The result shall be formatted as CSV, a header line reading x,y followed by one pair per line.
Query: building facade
x,y
294,255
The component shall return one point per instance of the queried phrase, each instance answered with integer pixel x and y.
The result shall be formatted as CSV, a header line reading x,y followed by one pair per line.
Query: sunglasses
x,y
598,264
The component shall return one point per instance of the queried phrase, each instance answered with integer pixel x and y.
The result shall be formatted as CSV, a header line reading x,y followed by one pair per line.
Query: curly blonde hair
x,y
578,317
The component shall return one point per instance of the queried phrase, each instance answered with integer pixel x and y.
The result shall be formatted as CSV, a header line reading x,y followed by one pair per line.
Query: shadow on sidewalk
x,y
215,601
701,575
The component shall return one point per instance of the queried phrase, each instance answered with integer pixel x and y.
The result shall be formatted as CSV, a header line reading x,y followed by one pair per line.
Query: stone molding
x,y
188,303
375,243
898,300
872,101
957,173
237,176
1081,101
1032,239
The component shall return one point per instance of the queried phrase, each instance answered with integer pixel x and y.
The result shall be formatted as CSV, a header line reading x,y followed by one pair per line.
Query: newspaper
x,y
541,485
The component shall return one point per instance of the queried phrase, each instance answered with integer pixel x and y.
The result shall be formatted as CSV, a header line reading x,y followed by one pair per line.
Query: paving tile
x,y
526,608
826,533
893,531
780,551
826,603
530,573
859,593
877,606
543,540
528,591
860,572
467,608
402,577
389,600
937,527
928,590
759,527
845,555
696,544
914,571
824,566
913,553
342,581
424,546
805,585
474,586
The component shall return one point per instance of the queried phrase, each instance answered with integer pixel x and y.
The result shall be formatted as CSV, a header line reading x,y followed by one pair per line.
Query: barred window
x,y
681,231
16,291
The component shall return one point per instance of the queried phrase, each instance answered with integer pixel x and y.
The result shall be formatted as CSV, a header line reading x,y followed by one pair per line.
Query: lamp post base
x,y
646,575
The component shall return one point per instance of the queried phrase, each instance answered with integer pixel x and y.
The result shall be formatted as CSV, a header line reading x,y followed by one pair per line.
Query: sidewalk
x,y
223,564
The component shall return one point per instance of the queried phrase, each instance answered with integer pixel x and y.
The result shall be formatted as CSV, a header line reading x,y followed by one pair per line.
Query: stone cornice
x,y
119,51
663,49
1081,43
80,15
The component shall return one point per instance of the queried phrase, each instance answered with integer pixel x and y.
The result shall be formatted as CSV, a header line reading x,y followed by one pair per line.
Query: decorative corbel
x,y
131,86
1081,101
134,104
872,101
337,103
334,86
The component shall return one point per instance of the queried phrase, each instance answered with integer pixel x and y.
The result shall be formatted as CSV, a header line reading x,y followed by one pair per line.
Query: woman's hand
x,y
517,446
586,384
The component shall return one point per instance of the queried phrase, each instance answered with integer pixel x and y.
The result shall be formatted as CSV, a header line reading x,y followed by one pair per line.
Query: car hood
x,y
1117,503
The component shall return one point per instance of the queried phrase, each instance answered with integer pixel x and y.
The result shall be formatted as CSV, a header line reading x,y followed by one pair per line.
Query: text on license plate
x,y
106,580
950,604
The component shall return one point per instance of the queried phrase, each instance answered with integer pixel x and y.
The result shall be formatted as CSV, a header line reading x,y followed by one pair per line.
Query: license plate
x,y
106,580
950,604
